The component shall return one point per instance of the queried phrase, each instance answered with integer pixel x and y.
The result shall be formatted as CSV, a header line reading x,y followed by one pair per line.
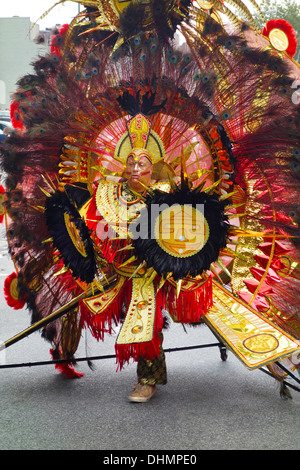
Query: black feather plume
x,y
135,104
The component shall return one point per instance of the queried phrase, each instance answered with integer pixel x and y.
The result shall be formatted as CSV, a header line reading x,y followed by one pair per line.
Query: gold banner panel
x,y
252,338
139,321
98,303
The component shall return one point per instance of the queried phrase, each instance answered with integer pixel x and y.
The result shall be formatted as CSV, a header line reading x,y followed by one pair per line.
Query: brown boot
x,y
142,393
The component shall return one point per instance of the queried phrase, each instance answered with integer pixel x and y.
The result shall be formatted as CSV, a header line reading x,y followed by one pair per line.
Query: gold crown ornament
x,y
140,136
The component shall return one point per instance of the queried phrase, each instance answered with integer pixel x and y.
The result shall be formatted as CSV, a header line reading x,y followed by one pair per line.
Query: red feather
x,y
287,28
55,47
15,116
11,293
67,369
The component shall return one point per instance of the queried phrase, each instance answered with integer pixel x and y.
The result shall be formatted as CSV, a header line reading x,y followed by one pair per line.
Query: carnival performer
x,y
110,214
138,174
153,175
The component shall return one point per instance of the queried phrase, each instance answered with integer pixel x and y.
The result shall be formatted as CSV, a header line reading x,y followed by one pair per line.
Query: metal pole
x,y
53,316
44,321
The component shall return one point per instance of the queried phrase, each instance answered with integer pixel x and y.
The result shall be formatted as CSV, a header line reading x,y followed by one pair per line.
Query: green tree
x,y
288,10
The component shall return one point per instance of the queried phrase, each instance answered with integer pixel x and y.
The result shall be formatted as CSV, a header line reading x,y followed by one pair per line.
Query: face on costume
x,y
138,169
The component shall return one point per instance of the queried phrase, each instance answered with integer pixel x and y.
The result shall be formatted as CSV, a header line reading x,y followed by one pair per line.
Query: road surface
x,y
207,404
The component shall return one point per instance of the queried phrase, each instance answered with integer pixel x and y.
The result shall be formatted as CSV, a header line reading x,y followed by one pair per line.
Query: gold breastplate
x,y
119,206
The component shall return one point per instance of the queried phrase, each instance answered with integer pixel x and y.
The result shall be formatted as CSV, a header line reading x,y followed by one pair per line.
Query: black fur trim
x,y
77,193
82,267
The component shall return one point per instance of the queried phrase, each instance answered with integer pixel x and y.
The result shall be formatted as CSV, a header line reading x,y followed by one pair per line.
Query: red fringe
x,y
148,350
191,305
103,322
187,308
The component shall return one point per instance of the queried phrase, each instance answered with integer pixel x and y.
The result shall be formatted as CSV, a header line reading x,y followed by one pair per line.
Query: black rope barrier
x,y
168,350
94,358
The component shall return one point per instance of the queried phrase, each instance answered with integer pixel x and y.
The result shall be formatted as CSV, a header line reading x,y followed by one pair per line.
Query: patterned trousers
x,y
152,372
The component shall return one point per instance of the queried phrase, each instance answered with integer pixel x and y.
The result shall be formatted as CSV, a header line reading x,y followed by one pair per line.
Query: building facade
x,y
18,48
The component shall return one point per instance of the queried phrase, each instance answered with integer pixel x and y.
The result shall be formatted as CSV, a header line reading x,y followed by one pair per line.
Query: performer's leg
x,y
149,374
152,372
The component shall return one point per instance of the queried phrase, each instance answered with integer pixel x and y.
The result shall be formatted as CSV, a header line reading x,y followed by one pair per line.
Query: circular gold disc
x,y
181,230
261,343
279,39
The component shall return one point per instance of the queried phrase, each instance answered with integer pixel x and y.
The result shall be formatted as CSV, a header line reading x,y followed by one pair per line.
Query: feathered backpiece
x,y
221,102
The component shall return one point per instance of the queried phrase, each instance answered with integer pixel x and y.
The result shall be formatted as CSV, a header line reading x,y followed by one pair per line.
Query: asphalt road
x,y
207,404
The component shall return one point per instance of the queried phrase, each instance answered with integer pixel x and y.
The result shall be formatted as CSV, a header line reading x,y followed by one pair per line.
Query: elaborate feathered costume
x,y
217,119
